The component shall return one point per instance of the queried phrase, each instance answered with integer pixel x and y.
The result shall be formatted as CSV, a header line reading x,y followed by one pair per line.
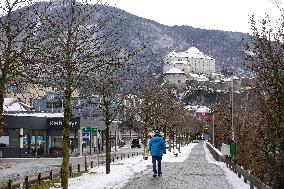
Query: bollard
x,y
121,157
27,181
251,186
86,167
128,155
10,184
70,170
245,180
117,157
137,153
51,175
39,178
239,174
79,168
112,159
92,164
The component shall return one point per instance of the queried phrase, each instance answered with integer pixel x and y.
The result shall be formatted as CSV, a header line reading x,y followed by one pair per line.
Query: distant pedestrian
x,y
157,146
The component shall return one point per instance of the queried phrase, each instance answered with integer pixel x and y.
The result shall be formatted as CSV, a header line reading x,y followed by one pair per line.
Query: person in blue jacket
x,y
157,147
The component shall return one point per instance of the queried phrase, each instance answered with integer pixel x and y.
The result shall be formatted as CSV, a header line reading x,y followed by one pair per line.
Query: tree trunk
x,y
67,112
2,94
66,121
108,159
170,141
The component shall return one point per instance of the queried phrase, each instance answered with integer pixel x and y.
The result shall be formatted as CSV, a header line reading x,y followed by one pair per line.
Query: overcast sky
x,y
228,15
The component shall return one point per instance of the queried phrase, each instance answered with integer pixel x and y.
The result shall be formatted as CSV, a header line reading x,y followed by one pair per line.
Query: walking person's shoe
x,y
159,174
155,174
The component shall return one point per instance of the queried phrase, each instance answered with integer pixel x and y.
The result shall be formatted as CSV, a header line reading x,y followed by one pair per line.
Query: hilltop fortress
x,y
195,69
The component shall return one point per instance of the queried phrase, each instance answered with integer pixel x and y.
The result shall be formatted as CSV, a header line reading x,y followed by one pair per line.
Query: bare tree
x,y
17,30
265,55
74,38
112,82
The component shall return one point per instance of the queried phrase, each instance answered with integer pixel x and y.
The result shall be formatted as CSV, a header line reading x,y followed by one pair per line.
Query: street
x,y
20,167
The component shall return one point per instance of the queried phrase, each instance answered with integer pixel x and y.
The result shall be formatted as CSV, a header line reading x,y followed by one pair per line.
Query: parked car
x,y
195,141
135,143
55,151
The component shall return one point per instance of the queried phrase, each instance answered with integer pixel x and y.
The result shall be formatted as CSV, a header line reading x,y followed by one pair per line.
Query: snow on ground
x,y
232,178
122,171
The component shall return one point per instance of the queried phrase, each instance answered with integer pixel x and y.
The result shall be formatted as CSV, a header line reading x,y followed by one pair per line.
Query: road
x,y
17,168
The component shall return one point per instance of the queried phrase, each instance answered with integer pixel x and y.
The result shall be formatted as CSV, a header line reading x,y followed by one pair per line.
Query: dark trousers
x,y
154,160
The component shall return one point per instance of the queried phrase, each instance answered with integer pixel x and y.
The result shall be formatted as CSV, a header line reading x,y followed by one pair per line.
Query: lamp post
x,y
213,135
232,106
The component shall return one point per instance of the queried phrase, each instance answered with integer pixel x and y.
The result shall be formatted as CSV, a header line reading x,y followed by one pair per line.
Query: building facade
x,y
190,61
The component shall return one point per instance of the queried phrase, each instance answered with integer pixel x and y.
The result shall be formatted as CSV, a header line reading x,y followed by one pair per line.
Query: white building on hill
x,y
190,61
181,67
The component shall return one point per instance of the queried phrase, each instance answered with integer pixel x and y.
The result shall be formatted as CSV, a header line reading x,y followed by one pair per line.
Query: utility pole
x,y
213,130
232,106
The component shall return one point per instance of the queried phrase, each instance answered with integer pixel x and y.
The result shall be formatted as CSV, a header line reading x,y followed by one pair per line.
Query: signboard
x,y
86,135
57,123
90,129
225,149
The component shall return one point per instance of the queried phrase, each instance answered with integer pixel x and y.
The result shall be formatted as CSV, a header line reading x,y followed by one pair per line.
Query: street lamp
x,y
232,105
213,135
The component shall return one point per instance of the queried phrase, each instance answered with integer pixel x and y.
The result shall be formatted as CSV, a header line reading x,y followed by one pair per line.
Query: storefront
x,y
35,134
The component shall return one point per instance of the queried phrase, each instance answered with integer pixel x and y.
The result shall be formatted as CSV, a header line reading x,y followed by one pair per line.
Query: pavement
x,y
195,173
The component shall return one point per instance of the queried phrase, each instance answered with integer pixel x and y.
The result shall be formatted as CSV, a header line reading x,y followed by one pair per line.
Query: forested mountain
x,y
225,47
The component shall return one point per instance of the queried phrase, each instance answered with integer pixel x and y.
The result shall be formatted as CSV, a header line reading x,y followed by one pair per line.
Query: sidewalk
x,y
194,168
195,173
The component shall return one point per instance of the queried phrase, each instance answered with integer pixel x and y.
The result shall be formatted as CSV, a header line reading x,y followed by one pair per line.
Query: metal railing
x,y
253,181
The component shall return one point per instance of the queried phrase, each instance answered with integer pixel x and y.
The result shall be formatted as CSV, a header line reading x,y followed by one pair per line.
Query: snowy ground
x,y
232,178
193,168
122,171
18,168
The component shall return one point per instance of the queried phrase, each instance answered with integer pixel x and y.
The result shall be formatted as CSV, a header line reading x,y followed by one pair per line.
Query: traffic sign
x,y
86,136
90,129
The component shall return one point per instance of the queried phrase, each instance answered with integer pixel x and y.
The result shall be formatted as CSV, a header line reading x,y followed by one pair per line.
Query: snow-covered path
x,y
195,173
193,168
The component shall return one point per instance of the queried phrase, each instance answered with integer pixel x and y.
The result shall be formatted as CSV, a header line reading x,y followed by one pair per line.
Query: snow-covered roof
x,y
37,114
13,105
235,77
215,74
179,62
199,77
192,52
172,54
203,109
174,71
226,79
193,75
190,107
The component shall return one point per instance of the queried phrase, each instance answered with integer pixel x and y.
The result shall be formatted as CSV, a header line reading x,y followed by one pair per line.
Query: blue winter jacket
x,y
157,145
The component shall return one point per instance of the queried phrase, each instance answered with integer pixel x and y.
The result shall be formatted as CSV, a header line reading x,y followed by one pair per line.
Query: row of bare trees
x,y
155,105
258,113
68,45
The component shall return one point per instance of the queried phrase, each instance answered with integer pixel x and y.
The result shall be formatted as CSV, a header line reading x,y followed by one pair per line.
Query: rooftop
x,y
192,52
174,71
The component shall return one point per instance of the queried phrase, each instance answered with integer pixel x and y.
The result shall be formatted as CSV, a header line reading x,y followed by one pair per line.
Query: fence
x,y
253,181
31,180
